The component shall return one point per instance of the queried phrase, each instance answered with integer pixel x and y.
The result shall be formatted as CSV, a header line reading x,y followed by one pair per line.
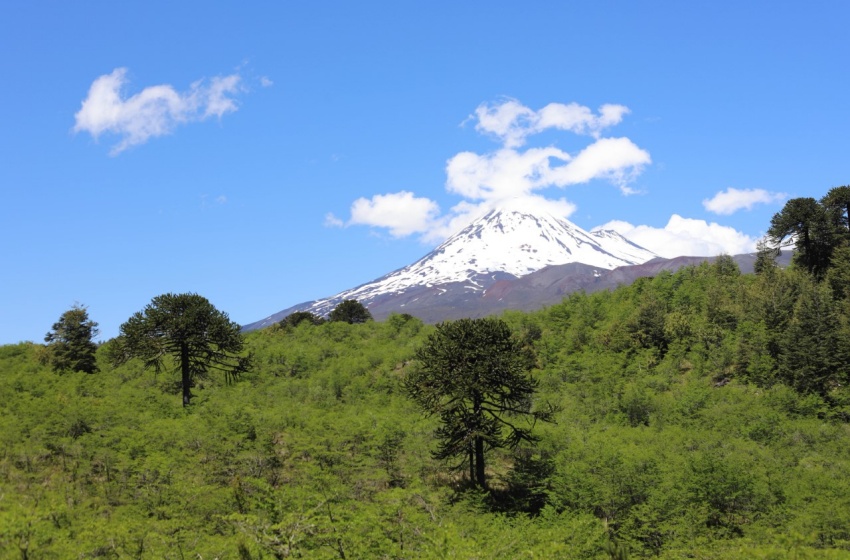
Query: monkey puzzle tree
x,y
70,345
809,223
185,330
473,374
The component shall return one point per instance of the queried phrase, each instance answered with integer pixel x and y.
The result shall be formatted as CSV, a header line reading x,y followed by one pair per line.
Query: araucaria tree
x,y
187,332
819,228
474,375
70,344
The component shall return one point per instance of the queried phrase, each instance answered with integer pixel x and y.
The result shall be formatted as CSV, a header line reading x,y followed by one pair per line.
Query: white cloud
x,y
502,174
508,173
155,111
685,236
402,213
265,81
731,200
512,122
618,160
486,181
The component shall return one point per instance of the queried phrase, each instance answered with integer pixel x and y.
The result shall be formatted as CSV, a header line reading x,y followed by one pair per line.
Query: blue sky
x,y
265,154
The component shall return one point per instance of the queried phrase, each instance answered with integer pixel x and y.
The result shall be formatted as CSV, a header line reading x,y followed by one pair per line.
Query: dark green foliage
x,y
70,343
472,374
814,228
187,331
814,359
295,319
350,311
529,480
838,276
837,204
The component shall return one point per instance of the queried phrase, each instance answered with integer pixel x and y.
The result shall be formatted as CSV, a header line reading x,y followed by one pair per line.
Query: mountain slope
x,y
504,245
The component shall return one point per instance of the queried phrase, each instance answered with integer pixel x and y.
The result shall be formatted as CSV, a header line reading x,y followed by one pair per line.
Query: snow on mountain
x,y
512,241
517,242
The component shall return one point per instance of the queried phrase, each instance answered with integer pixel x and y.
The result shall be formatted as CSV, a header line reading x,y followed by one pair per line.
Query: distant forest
x,y
698,414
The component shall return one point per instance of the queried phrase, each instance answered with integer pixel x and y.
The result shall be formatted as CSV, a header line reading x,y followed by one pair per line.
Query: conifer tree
x,y
70,342
473,374
812,360
185,330
765,257
813,229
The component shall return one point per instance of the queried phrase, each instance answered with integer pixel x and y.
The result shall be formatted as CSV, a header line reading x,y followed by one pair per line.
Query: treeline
x,y
700,414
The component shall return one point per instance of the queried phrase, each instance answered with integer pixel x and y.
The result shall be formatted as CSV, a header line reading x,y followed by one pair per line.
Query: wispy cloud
x,y
511,122
731,200
487,180
332,221
154,111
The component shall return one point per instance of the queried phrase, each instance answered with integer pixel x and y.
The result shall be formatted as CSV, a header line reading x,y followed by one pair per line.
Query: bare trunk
x,y
479,462
479,441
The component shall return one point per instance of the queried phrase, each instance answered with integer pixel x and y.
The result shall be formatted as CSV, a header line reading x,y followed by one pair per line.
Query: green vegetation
x,y
698,414
70,343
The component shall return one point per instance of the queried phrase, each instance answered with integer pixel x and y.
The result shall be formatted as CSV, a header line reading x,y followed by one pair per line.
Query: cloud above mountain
x,y
154,111
516,171
485,181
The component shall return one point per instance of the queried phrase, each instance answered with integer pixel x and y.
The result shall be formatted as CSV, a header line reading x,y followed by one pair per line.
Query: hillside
x,y
683,430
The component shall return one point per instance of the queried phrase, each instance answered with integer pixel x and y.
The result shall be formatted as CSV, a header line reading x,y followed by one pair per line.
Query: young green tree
x,y
813,359
70,342
350,311
185,330
765,257
474,375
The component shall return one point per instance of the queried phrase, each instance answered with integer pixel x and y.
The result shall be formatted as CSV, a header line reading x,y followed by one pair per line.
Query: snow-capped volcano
x,y
509,242
513,241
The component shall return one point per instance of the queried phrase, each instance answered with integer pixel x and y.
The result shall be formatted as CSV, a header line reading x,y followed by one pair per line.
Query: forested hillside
x,y
696,414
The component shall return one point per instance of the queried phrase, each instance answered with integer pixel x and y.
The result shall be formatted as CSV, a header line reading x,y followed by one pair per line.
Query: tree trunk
x,y
479,441
479,462
184,369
